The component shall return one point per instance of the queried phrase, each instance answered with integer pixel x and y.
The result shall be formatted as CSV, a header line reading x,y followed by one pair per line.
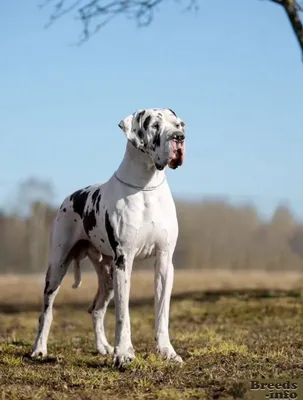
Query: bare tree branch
x,y
293,9
95,14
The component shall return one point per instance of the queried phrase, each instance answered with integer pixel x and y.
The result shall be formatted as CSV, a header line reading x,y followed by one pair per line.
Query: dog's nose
x,y
178,136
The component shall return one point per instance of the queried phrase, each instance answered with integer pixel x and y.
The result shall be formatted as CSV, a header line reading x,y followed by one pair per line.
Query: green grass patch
x,y
222,340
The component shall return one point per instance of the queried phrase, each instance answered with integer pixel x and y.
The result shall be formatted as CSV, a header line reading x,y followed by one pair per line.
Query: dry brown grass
x,y
227,326
27,289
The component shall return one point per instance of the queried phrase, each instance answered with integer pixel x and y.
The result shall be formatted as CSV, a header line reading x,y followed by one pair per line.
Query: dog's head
x,y
159,133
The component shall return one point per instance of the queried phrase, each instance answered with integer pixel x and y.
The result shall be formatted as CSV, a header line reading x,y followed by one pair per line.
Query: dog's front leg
x,y
124,351
164,276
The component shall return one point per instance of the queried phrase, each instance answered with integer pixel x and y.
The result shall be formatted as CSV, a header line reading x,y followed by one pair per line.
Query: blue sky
x,y
233,72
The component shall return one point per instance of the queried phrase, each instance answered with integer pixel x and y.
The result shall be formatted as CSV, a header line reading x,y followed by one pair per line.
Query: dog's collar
x,y
144,189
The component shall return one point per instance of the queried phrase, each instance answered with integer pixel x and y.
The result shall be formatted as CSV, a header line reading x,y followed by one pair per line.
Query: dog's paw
x,y
168,353
38,353
104,349
123,356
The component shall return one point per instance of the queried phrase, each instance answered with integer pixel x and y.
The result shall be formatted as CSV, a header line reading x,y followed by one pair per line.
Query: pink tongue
x,y
178,149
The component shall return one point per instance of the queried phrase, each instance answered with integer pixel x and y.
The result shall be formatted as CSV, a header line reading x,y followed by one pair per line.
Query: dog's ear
x,y
131,126
126,125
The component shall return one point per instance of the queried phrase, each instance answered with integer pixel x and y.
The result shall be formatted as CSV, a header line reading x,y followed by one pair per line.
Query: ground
x,y
227,326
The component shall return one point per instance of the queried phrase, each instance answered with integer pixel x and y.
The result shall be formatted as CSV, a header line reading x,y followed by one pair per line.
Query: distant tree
x,y
32,190
34,198
295,240
283,219
95,14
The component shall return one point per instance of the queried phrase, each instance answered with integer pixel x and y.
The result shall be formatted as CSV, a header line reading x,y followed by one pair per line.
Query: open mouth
x,y
175,163
178,152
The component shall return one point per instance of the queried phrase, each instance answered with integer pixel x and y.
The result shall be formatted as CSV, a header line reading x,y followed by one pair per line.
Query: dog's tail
x,y
77,274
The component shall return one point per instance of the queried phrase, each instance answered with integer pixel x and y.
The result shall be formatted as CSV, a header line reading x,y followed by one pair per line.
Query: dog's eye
x,y
156,126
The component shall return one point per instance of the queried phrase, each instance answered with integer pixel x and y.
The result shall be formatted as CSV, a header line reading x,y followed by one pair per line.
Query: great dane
x,y
130,217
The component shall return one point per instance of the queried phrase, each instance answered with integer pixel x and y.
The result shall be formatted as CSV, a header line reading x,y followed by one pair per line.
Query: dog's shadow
x,y
209,296
41,360
105,362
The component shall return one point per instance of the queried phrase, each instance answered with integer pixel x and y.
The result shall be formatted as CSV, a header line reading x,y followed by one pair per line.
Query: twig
x,y
143,12
291,9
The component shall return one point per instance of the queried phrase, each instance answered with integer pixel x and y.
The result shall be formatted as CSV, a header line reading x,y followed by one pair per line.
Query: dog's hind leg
x,y
54,276
61,245
101,301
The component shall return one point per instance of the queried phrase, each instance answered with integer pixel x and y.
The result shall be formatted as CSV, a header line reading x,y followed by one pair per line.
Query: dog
x,y
130,217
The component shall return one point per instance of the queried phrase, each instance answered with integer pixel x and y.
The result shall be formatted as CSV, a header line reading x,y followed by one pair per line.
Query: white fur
x,y
137,207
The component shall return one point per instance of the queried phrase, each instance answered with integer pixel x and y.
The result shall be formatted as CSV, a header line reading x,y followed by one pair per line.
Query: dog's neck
x,y
138,170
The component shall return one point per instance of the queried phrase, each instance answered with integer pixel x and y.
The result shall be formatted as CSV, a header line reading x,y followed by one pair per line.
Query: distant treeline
x,y
213,234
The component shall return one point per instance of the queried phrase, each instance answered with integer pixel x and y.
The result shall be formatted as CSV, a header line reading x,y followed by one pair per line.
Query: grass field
x,y
226,326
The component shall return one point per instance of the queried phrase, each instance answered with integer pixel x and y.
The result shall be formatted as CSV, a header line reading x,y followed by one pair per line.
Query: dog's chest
x,y
151,237
158,226
140,222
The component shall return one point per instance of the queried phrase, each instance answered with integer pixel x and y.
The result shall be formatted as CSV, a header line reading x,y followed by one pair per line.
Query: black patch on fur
x,y
75,220
95,195
140,134
110,234
102,240
46,305
172,112
98,203
134,143
142,151
146,122
156,141
49,292
89,221
182,124
140,115
46,287
120,263
156,126
92,307
64,210
79,200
